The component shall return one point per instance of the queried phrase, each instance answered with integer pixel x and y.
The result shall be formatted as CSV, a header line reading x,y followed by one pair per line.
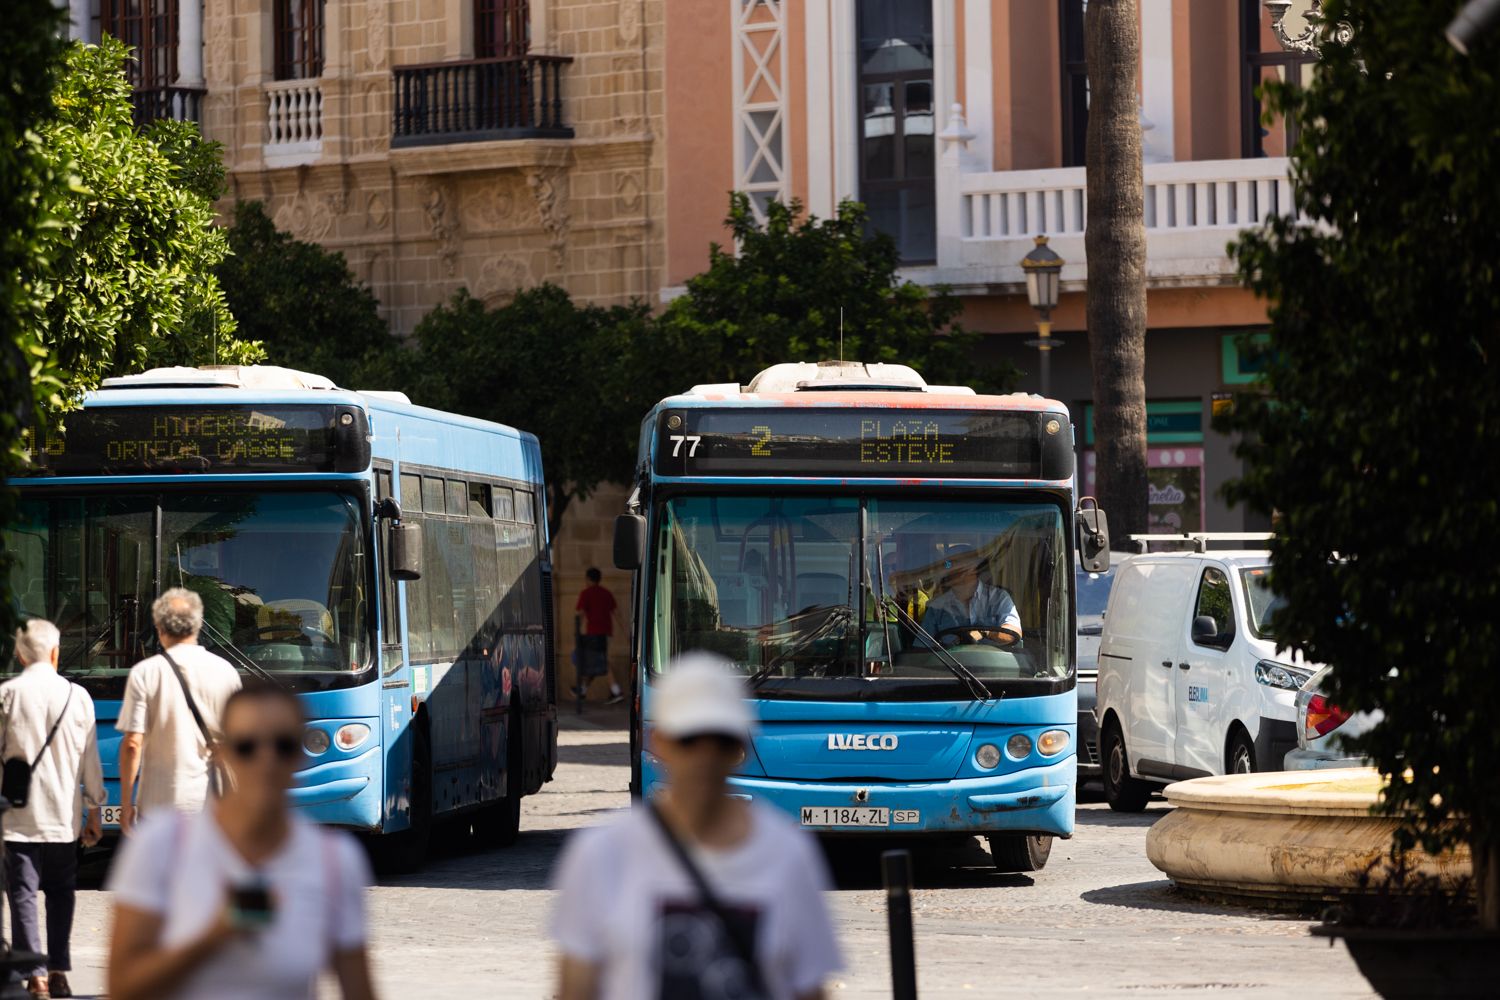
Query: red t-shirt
x,y
598,607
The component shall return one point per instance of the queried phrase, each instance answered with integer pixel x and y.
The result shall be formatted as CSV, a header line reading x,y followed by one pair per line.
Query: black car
x,y
1093,596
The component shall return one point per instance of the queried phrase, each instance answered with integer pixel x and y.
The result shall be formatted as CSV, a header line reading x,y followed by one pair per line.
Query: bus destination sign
x,y
214,438
866,443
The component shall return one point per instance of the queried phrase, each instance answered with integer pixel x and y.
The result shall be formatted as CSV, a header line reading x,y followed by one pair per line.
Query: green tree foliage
x,y
30,50
1377,440
777,297
302,304
541,362
125,275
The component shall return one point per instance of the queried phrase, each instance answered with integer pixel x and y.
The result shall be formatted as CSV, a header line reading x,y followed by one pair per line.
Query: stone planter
x,y
1290,836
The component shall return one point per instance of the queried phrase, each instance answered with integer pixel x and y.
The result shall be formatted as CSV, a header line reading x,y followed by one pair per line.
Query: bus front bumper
x,y
1033,800
344,791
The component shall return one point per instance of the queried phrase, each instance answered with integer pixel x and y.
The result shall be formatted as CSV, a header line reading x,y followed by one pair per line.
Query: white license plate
x,y
845,816
110,815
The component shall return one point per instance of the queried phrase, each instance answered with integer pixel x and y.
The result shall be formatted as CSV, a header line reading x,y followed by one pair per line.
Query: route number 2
x,y
692,441
762,446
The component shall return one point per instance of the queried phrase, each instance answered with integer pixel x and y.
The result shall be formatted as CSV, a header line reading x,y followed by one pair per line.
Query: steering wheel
x,y
964,635
309,633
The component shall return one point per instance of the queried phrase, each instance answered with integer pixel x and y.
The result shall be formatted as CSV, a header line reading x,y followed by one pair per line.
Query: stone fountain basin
x,y
1296,836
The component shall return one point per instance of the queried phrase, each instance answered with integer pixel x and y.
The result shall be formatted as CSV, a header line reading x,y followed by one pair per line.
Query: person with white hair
x,y
697,892
46,722
170,715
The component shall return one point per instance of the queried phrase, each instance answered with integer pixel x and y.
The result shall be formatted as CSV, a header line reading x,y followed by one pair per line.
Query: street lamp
x,y
1307,41
1043,267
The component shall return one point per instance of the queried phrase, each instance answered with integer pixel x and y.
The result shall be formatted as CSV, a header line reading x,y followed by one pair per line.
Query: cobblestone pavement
x,y
1098,922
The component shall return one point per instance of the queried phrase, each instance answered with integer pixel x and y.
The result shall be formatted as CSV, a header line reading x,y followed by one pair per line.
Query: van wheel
x,y
1121,791
1020,852
1241,756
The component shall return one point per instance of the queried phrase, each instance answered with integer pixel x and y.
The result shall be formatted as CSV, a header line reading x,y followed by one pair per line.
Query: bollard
x,y
895,867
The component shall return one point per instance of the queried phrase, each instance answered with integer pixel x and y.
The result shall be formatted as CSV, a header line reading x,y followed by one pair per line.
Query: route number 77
x,y
692,440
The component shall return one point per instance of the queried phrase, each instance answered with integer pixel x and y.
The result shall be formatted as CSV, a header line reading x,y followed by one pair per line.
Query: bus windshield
x,y
819,597
283,577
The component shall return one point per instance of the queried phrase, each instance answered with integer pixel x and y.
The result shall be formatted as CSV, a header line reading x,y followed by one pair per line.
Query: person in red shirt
x,y
596,615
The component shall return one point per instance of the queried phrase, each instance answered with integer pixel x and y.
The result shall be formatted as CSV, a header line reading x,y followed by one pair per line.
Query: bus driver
x,y
968,610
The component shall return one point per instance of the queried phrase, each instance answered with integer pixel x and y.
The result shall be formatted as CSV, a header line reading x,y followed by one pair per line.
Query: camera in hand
x,y
250,904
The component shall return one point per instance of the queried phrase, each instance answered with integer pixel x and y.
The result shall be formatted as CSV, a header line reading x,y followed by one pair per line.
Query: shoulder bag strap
x,y
743,948
208,740
53,731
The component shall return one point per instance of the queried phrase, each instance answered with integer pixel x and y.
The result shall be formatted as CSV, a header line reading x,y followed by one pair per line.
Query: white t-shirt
x,y
180,866
174,757
625,904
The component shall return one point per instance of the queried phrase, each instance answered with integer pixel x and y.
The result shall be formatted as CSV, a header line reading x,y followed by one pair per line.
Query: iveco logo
x,y
859,741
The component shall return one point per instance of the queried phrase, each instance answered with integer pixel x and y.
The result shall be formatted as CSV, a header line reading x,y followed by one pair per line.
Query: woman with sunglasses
x,y
697,893
245,900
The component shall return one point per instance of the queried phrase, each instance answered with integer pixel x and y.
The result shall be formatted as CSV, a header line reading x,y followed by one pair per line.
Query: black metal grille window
x,y
1263,59
149,27
897,162
298,25
511,97
1075,82
501,28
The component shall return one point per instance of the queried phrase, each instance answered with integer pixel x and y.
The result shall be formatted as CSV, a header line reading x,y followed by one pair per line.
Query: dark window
x,y
390,618
1075,82
149,27
1265,60
501,28
897,124
299,39
524,511
505,506
411,494
433,496
479,500
458,497
1214,600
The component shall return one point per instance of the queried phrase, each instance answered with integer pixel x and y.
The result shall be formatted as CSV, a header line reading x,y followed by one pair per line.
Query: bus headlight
x,y
350,736
1018,746
1052,742
987,756
314,741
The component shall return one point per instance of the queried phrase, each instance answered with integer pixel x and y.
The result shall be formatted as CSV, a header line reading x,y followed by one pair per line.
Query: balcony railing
x,y
294,112
511,97
183,104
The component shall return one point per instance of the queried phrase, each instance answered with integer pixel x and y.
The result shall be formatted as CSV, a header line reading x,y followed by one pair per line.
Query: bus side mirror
x,y
406,551
630,541
1093,536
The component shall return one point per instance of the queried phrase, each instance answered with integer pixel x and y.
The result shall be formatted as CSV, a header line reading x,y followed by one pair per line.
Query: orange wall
x,y
1027,84
1166,308
1206,79
699,132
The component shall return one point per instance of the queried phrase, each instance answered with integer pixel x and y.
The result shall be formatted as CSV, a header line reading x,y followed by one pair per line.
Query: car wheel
x,y
1121,791
1020,852
1241,757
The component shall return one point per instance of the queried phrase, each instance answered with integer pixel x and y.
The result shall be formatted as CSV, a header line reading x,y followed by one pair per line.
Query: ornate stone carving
x,y
548,190
220,42
494,206
628,190
500,278
377,35
437,200
377,210
308,218
628,101
628,18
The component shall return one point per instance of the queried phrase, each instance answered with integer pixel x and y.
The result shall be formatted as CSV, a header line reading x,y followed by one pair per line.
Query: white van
x,y
1189,680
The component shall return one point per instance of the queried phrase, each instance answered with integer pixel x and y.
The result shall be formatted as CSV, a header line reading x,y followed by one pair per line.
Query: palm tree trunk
x,y
1115,242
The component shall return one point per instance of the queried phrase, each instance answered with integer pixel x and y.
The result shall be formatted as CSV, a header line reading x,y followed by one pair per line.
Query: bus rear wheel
x,y
1020,852
499,825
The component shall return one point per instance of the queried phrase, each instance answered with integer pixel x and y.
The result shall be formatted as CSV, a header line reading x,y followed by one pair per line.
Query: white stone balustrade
x,y
294,120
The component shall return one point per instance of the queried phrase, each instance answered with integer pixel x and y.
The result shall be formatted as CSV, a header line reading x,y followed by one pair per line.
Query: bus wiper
x,y
976,687
236,653
835,615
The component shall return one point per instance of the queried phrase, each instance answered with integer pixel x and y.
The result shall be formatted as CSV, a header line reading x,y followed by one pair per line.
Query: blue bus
x,y
386,561
890,564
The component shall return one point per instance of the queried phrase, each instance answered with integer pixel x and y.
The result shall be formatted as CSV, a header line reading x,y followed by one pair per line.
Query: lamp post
x,y
1310,38
1043,267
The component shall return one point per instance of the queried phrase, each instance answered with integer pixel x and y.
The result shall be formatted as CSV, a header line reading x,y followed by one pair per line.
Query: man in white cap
x,y
697,893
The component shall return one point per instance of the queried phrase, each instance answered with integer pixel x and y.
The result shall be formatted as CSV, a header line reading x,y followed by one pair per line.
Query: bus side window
x,y
390,618
524,511
505,504
411,494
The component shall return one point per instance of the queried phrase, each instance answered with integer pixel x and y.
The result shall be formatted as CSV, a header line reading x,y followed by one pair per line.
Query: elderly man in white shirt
x,y
48,721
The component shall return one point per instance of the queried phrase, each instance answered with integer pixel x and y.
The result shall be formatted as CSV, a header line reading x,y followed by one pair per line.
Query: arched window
x,y
501,28
299,39
149,27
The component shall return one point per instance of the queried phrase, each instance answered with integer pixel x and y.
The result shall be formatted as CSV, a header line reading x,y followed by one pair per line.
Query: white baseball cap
x,y
702,695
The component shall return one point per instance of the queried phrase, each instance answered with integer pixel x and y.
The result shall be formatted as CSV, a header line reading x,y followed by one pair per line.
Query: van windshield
x,y
1262,601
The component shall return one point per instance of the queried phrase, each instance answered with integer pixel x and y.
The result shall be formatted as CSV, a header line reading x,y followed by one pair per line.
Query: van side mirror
x,y
630,541
1093,536
406,551
1205,631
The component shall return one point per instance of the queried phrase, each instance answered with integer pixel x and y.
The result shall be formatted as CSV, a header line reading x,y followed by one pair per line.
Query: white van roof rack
x,y
1198,540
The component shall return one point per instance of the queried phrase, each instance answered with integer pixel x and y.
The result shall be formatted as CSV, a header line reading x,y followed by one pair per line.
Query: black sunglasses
x,y
285,746
727,744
